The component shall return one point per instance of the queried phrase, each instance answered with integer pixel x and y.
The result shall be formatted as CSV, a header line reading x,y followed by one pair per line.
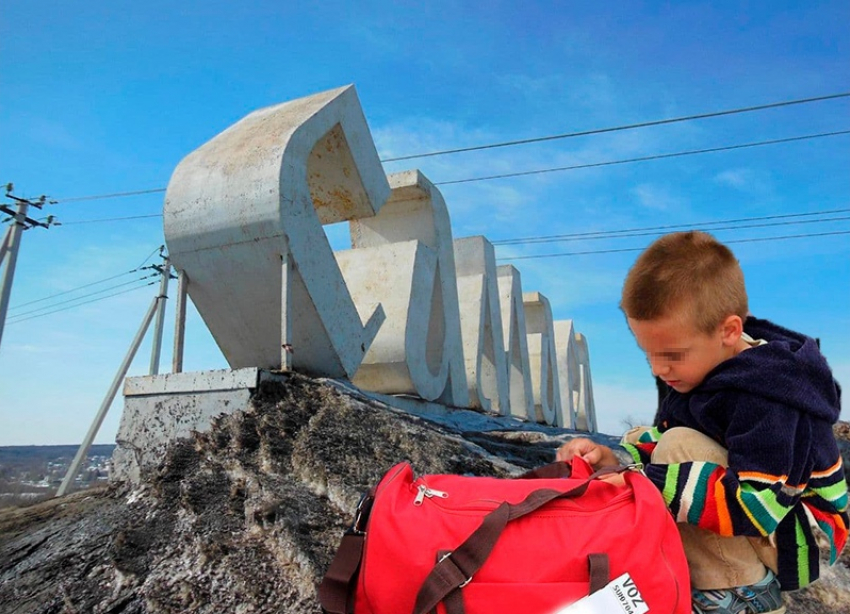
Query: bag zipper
x,y
423,491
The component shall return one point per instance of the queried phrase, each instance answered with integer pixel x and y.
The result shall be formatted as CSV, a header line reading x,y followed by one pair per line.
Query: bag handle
x,y
456,569
556,470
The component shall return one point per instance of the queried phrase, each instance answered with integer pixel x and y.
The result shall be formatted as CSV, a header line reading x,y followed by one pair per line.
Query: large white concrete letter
x,y
243,218
516,348
585,407
481,324
418,350
569,372
543,358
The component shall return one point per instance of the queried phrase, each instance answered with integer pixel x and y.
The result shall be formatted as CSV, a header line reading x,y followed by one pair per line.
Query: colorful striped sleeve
x,y
715,498
826,501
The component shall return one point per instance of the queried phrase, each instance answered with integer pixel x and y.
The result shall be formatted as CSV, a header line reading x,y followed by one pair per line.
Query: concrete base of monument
x,y
159,409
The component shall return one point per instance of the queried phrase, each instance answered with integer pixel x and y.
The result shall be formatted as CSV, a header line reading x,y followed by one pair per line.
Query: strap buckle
x,y
448,555
361,514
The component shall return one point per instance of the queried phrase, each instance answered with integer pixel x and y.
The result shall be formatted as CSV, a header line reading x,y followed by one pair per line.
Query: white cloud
x,y
53,135
747,180
534,85
659,198
576,284
28,348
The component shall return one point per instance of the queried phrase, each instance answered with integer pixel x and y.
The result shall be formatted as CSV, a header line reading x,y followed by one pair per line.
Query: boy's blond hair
x,y
688,272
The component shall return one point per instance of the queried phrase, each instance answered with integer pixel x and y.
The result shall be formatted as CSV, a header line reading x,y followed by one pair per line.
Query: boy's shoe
x,y
760,598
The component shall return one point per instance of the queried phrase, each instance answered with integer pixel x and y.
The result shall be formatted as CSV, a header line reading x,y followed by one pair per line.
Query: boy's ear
x,y
731,330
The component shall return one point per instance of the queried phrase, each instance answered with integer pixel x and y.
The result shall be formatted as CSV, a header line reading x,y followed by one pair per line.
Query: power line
x,y
626,235
667,227
88,285
94,283
646,158
640,249
550,170
71,300
113,195
659,122
518,142
102,298
113,219
161,250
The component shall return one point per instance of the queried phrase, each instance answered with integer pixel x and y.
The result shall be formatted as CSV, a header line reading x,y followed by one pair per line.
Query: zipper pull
x,y
636,467
424,491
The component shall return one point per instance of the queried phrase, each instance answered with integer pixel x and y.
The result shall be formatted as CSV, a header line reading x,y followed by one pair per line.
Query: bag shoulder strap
x,y
337,586
336,591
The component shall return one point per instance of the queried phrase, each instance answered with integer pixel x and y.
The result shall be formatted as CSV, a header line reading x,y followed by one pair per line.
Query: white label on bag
x,y
620,595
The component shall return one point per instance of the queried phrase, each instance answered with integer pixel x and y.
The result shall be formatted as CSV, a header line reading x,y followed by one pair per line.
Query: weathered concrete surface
x,y
481,325
544,359
406,355
415,211
161,408
516,343
569,371
585,407
243,219
245,518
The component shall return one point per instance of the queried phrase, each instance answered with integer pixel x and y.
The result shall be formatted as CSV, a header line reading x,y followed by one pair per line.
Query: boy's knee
x,y
682,445
634,433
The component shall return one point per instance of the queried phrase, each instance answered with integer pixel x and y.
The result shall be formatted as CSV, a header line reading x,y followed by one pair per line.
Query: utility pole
x,y
179,323
156,306
156,346
11,244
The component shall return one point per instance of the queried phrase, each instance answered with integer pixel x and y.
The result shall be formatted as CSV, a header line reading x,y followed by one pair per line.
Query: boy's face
x,y
680,354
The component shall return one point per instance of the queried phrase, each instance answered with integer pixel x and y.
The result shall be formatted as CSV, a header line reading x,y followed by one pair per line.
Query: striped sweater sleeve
x,y
752,503
826,500
718,499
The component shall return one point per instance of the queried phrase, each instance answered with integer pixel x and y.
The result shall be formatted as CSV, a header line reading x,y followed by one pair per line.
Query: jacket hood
x,y
790,370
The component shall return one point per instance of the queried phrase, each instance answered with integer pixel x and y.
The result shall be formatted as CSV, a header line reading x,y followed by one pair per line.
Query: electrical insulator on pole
x,y
11,245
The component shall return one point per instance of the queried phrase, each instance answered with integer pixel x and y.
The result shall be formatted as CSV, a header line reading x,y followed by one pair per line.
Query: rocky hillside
x,y
246,517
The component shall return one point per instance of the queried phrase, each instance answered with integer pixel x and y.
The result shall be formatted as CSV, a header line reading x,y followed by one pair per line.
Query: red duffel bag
x,y
531,545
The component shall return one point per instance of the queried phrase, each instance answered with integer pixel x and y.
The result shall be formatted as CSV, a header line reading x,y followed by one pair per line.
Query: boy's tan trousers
x,y
715,562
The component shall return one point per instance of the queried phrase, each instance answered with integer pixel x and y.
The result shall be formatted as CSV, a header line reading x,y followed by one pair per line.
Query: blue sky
x,y
107,97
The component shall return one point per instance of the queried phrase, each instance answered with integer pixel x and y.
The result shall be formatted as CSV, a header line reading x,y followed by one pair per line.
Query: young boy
x,y
743,449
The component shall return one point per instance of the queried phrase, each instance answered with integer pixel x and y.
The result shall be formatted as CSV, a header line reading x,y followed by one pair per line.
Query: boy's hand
x,y
595,454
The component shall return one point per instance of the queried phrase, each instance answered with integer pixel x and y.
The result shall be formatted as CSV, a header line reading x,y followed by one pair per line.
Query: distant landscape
x,y
29,474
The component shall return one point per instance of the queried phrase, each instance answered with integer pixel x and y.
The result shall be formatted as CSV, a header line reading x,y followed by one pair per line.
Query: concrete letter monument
x,y
408,310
